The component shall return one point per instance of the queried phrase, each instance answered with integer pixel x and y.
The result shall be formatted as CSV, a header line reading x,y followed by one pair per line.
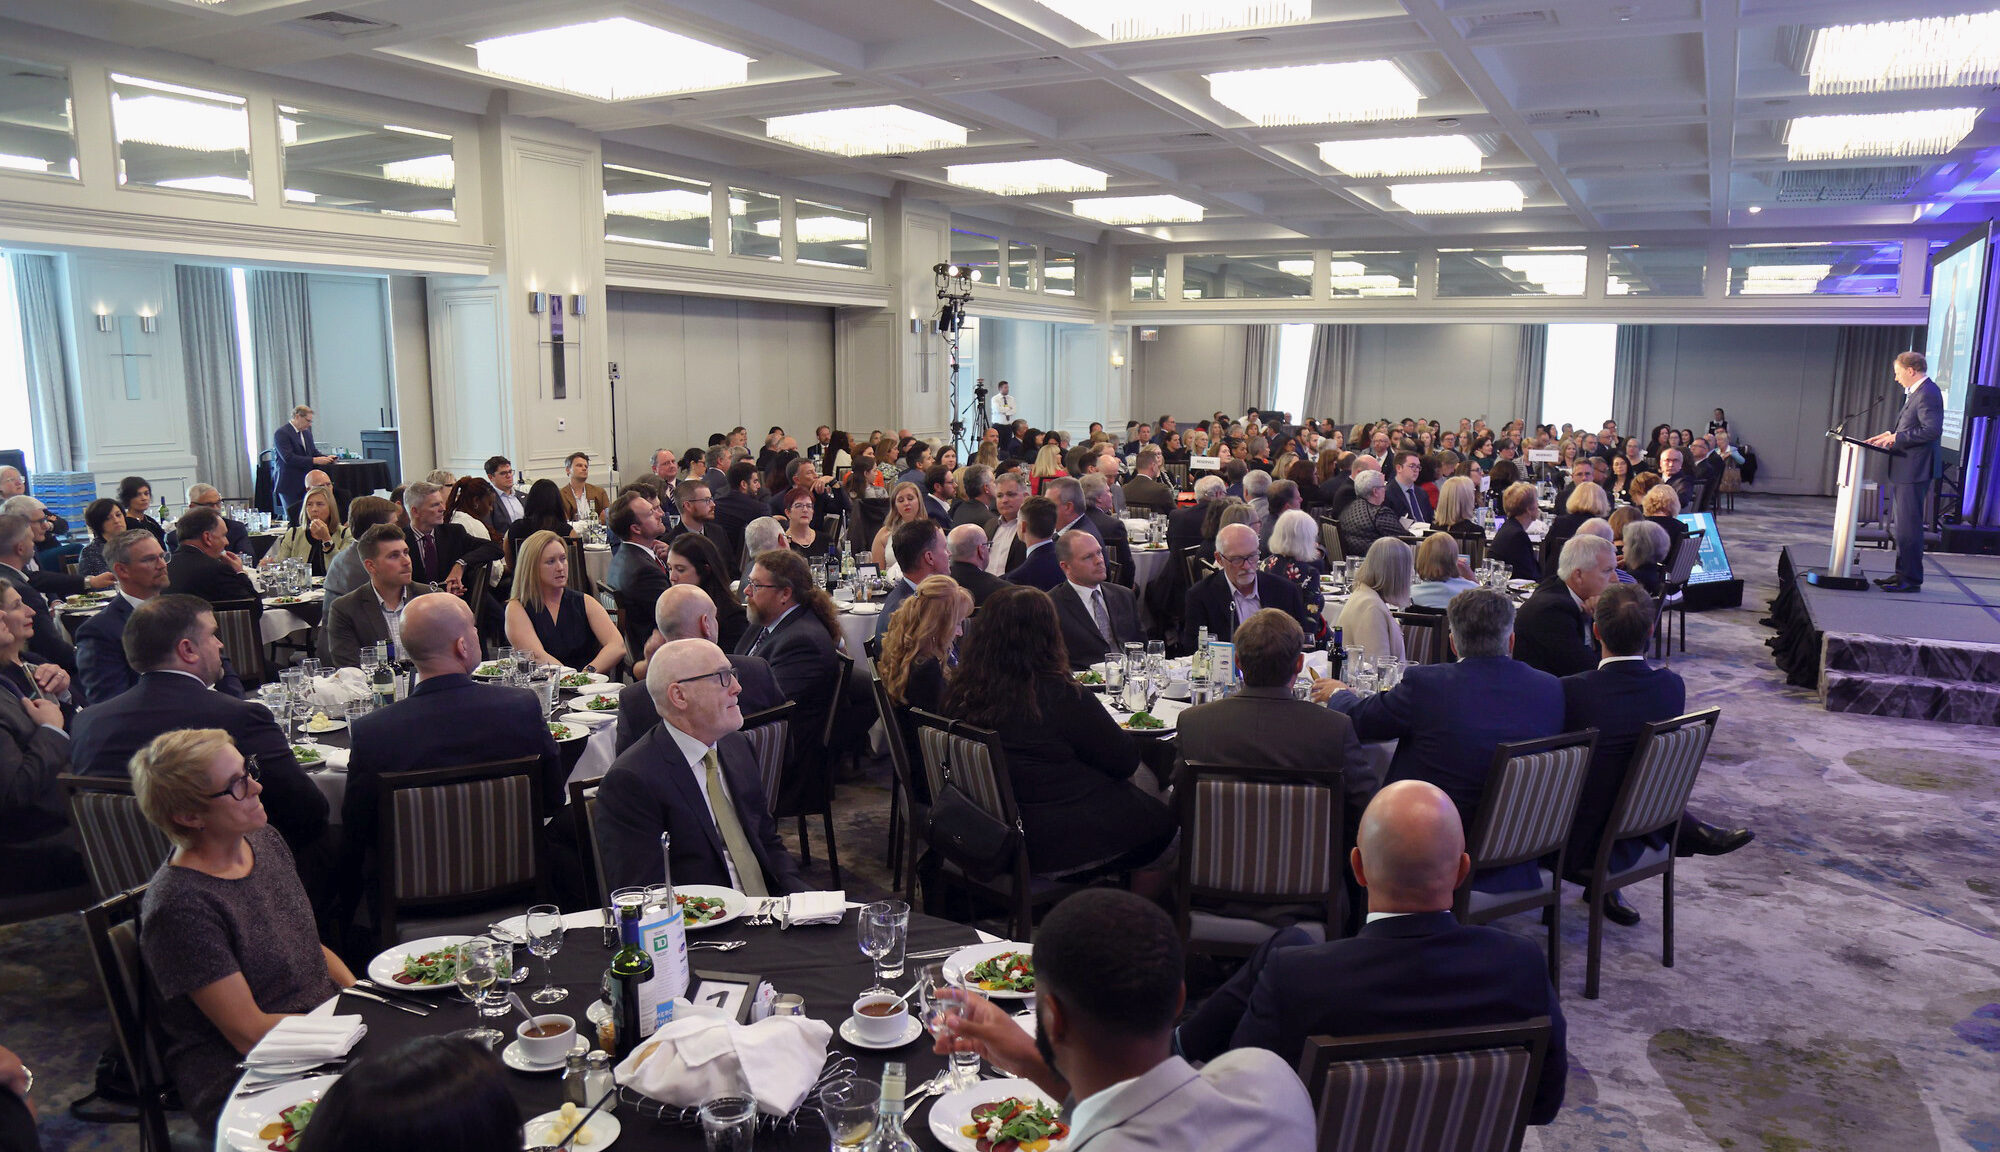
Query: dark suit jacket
x,y
637,716
1143,491
636,579
106,735
293,453
1086,645
976,580
1184,528
1617,700
805,664
973,512
1512,546
1211,605
1117,542
100,656
1336,493
454,546
49,641
199,574
651,789
238,533
734,511
1552,633
1267,728
1039,569
938,511
1404,974
717,535
354,622
1393,499
1918,427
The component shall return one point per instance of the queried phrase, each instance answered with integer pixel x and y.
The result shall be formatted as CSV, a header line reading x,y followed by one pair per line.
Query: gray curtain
x,y
1260,366
1528,365
52,400
1863,374
214,371
1629,378
1330,371
280,344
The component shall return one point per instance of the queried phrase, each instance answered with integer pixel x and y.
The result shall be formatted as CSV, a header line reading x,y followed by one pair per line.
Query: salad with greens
x,y
430,968
284,1132
1007,972
1014,1125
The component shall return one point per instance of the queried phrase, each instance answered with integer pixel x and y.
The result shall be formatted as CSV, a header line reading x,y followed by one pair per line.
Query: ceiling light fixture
x,y
1404,156
1027,177
1928,133
1296,268
187,124
1145,19
821,229
1138,210
14,163
615,59
1558,274
1318,93
1465,196
873,131
1896,55
1787,271
300,196
429,171
221,185
668,205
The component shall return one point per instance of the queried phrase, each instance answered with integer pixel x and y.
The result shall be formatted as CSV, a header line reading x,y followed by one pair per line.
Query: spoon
x,y
514,998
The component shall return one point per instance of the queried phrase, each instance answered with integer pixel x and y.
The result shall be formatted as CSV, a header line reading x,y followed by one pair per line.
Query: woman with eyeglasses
x,y
227,932
34,752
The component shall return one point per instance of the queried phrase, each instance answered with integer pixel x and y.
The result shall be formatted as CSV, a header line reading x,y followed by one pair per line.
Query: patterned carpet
x,y
1837,983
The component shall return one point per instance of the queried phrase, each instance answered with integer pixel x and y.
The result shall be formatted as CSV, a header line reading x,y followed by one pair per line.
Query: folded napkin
x,y
333,690
695,1058
813,908
308,1038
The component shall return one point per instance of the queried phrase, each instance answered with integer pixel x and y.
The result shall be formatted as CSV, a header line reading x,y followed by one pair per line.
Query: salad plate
x,y
605,702
581,681
964,968
244,1122
954,1112
564,733
714,903
407,960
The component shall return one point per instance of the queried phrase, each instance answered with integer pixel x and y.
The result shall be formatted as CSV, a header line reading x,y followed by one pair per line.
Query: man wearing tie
x,y
1552,630
1912,467
296,455
1405,499
1097,616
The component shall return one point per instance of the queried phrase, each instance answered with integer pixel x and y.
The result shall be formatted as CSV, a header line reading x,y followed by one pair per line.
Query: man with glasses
x,y
697,505
506,501
206,496
140,565
171,640
49,581
685,612
17,551
1225,599
694,777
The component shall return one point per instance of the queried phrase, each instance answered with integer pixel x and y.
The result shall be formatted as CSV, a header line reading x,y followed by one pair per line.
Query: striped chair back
x,y
1471,544
1530,799
968,757
120,846
1257,835
1662,774
769,734
1456,1090
112,928
236,625
459,835
1681,557
1424,637
1329,539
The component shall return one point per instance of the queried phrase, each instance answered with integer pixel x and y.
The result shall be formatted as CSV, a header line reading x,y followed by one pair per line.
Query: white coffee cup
x,y
546,1049
886,1029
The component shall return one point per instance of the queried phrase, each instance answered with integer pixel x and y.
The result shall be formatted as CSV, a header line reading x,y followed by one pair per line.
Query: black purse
x,y
959,830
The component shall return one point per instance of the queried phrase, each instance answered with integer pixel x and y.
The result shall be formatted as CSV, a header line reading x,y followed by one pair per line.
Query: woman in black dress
x,y
137,496
694,559
105,519
1511,545
541,511
554,622
800,534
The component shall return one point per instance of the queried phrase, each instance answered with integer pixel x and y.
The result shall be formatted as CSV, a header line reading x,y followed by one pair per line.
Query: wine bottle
x,y
631,969
889,1134
1336,655
382,684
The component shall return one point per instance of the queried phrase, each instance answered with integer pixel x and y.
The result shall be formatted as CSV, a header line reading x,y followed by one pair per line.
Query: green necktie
x,y
749,873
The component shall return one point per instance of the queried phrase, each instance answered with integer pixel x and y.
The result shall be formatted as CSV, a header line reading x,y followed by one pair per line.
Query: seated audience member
x,y
541,511
140,565
1404,495
171,641
1413,967
801,532
638,571
1039,567
684,612
579,496
46,640
206,496
920,554
1367,518
1225,598
1184,525
227,931
1381,588
917,654
1146,490
1098,617
796,629
345,572
1097,512
1511,544
318,536
34,854
105,519
441,553
1618,698
693,558
137,497
21,672
740,502
1297,555
373,613
204,566
470,503
1646,546
760,536
1457,500
970,551
553,622
430,1094
1109,987
1440,574
1586,501
1663,507
1072,765
1552,632
693,776
906,506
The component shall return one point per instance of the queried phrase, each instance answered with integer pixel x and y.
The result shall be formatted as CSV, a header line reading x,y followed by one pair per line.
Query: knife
x,y
379,999
397,994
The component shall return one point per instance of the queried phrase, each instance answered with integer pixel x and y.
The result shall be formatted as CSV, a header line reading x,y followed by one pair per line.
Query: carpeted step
x,y
1911,697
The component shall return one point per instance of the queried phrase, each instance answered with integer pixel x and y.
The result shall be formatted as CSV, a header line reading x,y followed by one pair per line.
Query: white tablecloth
x,y
596,562
1147,564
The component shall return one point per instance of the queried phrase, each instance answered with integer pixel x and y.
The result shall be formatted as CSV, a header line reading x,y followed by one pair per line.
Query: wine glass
x,y
848,1107
545,937
478,967
880,928
940,1013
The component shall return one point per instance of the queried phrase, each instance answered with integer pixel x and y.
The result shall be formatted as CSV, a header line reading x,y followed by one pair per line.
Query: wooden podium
x,y
1840,572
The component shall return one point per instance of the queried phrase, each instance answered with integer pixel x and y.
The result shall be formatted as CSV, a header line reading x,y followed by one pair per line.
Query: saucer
x,y
543,1129
911,1030
513,1056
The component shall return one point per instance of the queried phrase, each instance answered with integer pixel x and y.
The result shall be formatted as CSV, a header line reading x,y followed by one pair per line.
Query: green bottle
x,y
631,968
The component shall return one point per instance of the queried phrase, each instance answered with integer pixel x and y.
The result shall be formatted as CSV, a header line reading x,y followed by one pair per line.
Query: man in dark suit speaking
x,y
1912,467
296,455
694,777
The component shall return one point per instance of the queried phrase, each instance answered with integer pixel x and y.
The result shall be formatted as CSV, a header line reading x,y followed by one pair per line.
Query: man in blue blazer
x,y
789,630
1913,466
694,777
292,446
1226,598
140,565
919,548
685,612
1403,497
1412,968
1038,567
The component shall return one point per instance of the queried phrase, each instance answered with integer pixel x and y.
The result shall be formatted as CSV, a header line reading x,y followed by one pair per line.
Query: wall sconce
x,y
538,302
148,323
1118,359
576,305
104,321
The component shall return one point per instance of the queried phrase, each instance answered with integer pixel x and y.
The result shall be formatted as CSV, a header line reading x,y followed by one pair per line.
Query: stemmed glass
x,y
881,929
545,937
848,1107
939,1015
478,967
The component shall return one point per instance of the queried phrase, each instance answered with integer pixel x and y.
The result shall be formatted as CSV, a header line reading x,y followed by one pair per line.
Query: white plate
x,y
312,597
871,608
576,732
331,725
242,1118
582,703
587,719
734,903
595,679
546,1128
514,1058
385,968
965,959
331,759
953,1110
911,1030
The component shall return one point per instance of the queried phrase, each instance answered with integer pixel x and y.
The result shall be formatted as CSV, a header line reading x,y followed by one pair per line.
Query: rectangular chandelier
x,y
193,125
1027,177
428,171
1318,93
1463,197
1897,55
1403,156
1146,19
1138,210
883,129
1928,133
669,205
615,59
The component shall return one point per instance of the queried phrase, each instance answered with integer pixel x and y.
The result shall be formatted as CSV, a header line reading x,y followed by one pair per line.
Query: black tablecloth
x,y
359,478
820,962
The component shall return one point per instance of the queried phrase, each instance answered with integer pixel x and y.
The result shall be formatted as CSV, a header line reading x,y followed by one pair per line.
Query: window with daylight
x,y
1576,374
1294,356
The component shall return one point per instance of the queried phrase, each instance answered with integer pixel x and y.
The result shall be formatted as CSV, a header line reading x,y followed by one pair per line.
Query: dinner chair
x,y
828,757
1655,792
1524,816
1258,837
905,815
579,576
236,625
1471,541
1682,555
769,733
453,841
112,929
1447,1090
583,801
121,848
1329,540
1425,640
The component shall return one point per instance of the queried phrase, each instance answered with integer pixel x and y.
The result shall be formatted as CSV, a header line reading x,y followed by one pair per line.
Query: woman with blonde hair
x,y
1381,586
1440,572
1455,502
227,932
918,652
906,505
1048,466
553,622
318,536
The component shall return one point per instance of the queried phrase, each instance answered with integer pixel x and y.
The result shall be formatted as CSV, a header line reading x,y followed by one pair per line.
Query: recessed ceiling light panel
x,y
1318,93
615,59
1027,177
1146,19
875,131
1463,197
1929,133
1897,55
1138,210
1403,156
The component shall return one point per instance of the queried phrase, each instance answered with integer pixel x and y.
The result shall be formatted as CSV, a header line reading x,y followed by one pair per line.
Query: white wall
x,y
1774,382
1190,371
1436,370
125,434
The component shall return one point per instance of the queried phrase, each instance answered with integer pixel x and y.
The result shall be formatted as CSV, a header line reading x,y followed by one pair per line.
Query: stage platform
x,y
1931,655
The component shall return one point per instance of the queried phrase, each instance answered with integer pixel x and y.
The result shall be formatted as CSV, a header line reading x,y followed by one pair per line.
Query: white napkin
x,y
1138,531
308,1038
333,690
813,908
695,1058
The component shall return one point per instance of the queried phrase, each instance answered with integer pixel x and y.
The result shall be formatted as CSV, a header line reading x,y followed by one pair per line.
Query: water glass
x,y
729,1124
545,936
940,1013
356,709
883,928
292,679
848,1108
1114,672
